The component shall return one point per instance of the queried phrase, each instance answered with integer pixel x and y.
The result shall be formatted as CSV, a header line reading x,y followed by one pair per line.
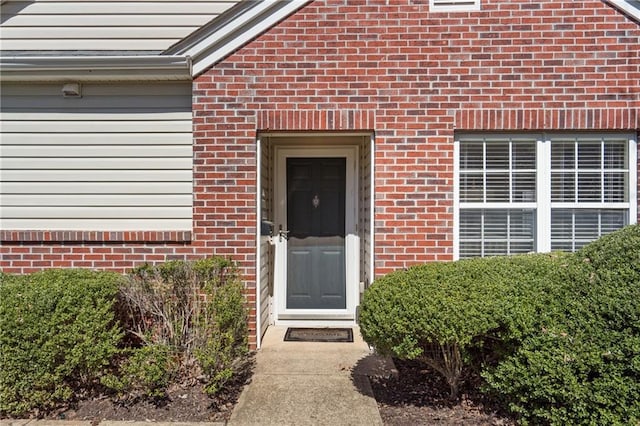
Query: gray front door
x,y
316,275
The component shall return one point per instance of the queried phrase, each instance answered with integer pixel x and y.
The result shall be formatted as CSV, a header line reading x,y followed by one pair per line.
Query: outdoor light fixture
x,y
72,90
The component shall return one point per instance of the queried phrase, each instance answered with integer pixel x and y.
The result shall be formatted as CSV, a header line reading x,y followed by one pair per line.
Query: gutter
x,y
183,61
95,68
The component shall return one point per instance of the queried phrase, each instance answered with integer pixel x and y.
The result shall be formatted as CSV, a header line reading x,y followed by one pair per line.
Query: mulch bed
x,y
420,396
183,403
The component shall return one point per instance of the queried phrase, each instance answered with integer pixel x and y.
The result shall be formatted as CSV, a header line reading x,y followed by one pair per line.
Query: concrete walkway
x,y
299,383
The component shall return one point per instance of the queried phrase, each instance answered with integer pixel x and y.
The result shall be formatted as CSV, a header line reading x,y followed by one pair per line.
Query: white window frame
x,y
543,203
454,5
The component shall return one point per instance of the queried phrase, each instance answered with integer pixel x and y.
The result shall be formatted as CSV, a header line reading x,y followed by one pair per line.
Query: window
x,y
540,192
454,5
589,176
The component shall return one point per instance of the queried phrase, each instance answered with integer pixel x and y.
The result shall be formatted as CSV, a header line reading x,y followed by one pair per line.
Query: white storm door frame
x,y
352,241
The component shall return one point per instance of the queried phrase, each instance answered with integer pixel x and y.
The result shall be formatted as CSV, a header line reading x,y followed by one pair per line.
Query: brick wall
x,y
414,77
411,76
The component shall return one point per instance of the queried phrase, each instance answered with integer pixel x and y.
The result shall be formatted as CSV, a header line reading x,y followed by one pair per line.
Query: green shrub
x,y
558,336
226,322
196,309
582,366
146,372
442,313
57,336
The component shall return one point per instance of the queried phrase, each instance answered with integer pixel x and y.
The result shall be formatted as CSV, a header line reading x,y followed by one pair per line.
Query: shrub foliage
x,y
67,333
441,313
556,336
194,309
57,336
583,365
145,373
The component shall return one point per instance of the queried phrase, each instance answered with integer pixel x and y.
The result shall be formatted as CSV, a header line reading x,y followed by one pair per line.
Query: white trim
x,y
543,194
503,205
627,8
352,250
95,68
633,179
372,211
588,205
456,199
315,323
258,241
183,61
238,31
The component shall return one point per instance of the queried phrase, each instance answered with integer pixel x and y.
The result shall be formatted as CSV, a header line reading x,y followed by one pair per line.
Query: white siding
x,y
103,25
364,216
117,159
266,249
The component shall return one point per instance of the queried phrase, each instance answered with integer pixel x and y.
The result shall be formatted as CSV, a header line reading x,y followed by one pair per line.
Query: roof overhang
x,y
95,68
183,61
236,27
630,8
186,59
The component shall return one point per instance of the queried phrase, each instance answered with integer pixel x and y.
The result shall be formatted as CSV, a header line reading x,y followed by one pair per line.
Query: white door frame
x,y
282,315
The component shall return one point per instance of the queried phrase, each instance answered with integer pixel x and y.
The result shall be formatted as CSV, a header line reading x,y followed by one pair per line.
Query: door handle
x,y
283,233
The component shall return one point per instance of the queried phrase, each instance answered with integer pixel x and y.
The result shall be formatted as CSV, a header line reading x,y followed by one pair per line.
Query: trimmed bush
x,y
57,336
583,366
442,313
556,337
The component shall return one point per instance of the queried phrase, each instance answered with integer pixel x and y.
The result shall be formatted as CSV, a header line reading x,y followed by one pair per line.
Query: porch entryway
x,y
315,219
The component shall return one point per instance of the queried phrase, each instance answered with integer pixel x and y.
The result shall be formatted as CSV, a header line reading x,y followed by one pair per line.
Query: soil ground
x,y
183,403
420,396
417,396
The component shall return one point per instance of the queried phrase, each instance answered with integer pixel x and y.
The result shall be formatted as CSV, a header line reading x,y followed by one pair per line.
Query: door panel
x,y
316,274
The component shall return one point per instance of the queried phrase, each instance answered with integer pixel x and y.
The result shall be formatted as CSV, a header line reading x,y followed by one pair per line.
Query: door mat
x,y
318,335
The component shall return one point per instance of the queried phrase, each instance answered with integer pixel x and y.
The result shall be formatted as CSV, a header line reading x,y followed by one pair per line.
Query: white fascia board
x,y
95,68
626,7
239,31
